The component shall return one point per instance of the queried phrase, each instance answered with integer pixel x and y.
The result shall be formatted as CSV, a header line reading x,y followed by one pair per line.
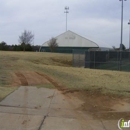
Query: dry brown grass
x,y
87,79
58,66
4,91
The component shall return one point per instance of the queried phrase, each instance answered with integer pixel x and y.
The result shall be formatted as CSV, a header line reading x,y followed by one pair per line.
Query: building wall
x,y
63,49
69,41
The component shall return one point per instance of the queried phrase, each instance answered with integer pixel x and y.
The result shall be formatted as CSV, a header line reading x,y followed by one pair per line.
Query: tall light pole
x,y
121,46
129,34
66,11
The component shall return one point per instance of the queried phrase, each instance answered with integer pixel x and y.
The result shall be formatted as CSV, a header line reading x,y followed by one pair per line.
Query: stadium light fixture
x,y
66,11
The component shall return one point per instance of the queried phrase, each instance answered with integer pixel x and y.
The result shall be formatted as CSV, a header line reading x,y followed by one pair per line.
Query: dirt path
x,y
99,105
52,81
22,79
26,78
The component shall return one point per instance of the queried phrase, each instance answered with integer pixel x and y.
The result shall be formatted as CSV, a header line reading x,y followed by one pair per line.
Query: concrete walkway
x,y
30,108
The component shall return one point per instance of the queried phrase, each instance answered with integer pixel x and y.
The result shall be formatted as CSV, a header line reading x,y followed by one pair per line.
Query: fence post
x,y
84,59
94,59
129,55
73,58
120,59
117,60
129,60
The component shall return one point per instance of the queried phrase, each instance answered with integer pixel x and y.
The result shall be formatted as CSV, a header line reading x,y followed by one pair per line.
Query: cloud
x,y
96,20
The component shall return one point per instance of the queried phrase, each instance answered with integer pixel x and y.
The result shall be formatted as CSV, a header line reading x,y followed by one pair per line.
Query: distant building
x,y
69,41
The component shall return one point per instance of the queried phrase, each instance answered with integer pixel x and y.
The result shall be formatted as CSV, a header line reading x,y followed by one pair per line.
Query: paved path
x,y
30,108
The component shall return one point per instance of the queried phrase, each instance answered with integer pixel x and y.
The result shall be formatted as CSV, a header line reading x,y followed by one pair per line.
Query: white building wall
x,y
70,39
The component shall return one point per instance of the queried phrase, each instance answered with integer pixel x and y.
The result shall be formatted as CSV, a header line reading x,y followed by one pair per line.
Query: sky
x,y
96,20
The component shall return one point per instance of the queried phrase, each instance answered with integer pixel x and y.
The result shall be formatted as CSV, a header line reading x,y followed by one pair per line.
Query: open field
x,y
99,89
12,63
58,67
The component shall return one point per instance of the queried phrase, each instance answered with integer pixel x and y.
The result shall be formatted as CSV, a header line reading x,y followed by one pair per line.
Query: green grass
x,y
50,86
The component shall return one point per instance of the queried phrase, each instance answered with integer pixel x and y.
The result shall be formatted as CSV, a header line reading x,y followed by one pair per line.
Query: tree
x,y
26,38
53,44
17,48
3,46
28,47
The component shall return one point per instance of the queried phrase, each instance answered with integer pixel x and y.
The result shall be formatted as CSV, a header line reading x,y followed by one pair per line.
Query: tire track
x,y
22,79
55,83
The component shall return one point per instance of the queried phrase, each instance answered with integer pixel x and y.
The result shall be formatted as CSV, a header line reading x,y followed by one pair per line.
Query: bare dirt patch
x,y
102,106
22,78
26,78
98,105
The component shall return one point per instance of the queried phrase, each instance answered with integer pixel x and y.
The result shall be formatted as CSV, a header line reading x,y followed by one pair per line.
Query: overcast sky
x,y
96,20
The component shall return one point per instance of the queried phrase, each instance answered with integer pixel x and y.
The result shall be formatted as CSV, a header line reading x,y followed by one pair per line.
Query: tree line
x,y
25,43
5,47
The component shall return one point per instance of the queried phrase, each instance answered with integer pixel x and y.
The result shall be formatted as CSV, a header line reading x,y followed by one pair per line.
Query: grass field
x,y
59,67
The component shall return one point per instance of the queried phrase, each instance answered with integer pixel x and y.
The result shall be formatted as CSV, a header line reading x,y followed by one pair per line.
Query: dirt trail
x,y
22,79
98,105
51,80
28,78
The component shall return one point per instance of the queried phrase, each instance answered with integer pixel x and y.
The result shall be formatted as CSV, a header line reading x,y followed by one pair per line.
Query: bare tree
x,y
53,44
26,38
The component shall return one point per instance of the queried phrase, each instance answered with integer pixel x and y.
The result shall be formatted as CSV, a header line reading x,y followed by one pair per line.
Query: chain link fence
x,y
107,60
79,58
